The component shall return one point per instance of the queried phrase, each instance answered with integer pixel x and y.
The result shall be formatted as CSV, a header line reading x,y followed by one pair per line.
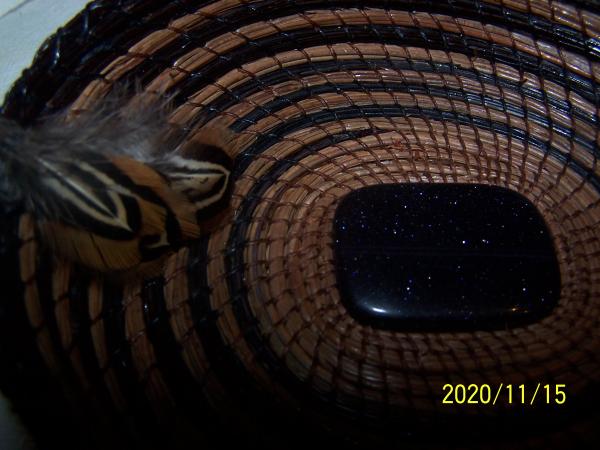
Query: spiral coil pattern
x,y
329,97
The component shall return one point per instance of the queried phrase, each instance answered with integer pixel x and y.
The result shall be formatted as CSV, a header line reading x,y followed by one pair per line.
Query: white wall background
x,y
24,25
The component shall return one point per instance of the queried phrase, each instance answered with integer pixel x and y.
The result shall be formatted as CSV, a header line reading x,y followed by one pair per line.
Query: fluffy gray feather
x,y
138,130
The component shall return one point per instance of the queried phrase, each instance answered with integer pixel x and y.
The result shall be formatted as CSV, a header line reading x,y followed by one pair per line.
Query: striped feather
x,y
111,204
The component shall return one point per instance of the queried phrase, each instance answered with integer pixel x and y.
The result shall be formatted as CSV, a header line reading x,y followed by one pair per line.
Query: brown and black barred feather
x,y
106,189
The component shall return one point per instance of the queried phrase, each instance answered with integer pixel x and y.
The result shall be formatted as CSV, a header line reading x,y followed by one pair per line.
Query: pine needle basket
x,y
244,333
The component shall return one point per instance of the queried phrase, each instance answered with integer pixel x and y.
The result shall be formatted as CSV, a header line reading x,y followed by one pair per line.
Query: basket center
x,y
437,257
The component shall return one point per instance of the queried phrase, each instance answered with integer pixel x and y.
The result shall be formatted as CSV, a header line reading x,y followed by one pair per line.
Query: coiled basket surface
x,y
243,337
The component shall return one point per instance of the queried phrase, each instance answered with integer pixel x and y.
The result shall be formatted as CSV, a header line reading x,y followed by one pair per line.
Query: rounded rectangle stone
x,y
443,257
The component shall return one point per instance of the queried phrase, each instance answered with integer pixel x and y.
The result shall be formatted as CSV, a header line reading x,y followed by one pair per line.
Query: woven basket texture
x,y
243,333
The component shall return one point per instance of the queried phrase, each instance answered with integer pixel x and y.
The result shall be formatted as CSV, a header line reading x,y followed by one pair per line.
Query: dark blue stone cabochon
x,y
444,257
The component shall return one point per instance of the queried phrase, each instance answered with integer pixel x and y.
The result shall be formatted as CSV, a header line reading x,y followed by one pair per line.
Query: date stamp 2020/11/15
x,y
484,394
